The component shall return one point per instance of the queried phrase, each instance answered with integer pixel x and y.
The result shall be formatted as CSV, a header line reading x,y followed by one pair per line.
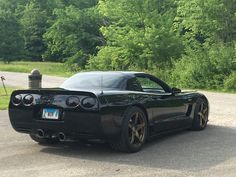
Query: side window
x,y
134,85
149,85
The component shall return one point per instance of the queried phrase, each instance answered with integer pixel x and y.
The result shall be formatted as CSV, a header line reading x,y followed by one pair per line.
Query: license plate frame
x,y
50,114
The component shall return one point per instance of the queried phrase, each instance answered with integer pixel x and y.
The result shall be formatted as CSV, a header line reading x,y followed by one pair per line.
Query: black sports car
x,y
122,108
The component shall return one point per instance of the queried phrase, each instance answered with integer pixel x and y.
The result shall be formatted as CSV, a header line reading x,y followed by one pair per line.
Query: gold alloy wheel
x,y
203,114
137,129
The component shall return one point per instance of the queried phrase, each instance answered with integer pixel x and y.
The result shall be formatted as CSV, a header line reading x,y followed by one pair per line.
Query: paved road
x,y
207,153
20,80
210,153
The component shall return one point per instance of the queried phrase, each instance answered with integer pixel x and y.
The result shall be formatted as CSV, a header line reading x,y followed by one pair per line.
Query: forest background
x,y
187,43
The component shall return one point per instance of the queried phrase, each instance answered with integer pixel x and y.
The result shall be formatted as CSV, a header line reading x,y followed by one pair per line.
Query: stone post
x,y
35,79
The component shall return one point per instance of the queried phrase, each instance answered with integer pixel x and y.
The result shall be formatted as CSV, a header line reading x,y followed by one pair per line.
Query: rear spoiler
x,y
53,91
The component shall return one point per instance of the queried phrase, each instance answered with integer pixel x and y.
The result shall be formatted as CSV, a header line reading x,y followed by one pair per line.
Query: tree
x,y
141,32
207,20
74,34
208,28
34,24
12,5
81,4
11,41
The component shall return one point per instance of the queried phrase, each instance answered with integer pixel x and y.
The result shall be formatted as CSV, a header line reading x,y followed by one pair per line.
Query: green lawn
x,y
48,68
4,99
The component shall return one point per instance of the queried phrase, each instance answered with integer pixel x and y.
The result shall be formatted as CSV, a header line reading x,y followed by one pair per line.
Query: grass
x,y
4,99
47,68
59,69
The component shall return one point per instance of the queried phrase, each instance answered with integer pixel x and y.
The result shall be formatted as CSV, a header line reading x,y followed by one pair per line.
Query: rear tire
x,y
200,115
44,140
133,131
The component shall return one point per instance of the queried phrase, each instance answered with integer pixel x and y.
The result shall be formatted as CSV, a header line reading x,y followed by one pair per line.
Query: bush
x,y
230,82
76,62
206,68
110,58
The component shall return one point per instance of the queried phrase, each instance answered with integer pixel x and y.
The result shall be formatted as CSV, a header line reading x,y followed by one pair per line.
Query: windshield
x,y
94,81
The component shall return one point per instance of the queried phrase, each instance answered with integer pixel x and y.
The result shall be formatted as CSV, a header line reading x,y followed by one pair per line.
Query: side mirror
x,y
176,90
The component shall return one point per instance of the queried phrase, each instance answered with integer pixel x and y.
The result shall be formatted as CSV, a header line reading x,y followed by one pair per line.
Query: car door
x,y
168,110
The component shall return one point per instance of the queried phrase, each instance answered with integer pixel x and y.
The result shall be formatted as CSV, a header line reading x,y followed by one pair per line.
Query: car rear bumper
x,y
85,125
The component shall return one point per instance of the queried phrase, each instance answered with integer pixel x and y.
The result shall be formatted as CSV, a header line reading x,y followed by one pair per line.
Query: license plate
x,y
49,113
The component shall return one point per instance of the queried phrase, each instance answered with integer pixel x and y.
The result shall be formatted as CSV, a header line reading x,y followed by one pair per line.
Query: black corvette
x,y
122,108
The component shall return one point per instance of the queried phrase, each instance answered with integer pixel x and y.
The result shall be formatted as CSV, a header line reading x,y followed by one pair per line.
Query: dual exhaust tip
x,y
62,136
41,134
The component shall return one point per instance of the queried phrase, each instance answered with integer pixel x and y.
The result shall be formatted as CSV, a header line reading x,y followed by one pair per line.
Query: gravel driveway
x,y
211,152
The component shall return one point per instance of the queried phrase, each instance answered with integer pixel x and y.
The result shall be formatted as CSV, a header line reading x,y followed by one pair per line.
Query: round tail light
x,y
16,100
89,102
28,100
72,101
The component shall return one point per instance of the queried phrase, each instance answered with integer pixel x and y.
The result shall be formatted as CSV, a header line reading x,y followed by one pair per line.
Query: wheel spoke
x,y
138,136
136,133
201,107
136,128
130,126
201,122
204,110
132,138
205,118
136,118
140,126
200,114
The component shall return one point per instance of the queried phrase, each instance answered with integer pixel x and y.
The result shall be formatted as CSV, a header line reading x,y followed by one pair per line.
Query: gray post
x,y
35,79
3,79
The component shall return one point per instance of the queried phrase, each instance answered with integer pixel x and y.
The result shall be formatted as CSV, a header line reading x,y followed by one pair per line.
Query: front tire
x,y
133,131
200,115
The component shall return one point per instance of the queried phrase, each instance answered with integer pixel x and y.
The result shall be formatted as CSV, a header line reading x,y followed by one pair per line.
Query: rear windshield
x,y
94,81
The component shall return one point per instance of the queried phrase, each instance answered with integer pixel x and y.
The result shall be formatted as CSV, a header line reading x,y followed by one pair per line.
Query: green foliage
x,y
109,58
11,41
74,33
139,35
4,99
209,32
188,43
47,68
230,82
204,68
34,25
78,3
77,61
12,5
207,20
